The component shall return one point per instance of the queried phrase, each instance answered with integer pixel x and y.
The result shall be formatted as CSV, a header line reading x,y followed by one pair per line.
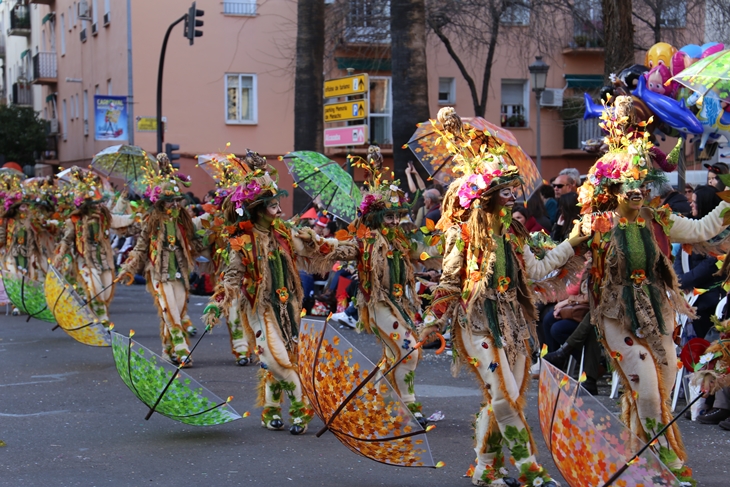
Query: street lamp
x,y
538,79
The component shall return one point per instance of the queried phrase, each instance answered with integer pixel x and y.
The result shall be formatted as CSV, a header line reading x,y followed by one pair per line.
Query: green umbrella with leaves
x,y
325,180
124,162
28,296
166,389
709,75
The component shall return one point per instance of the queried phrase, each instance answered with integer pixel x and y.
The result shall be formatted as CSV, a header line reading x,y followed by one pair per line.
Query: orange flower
x,y
641,222
638,276
503,284
475,276
283,294
325,248
397,290
622,222
601,224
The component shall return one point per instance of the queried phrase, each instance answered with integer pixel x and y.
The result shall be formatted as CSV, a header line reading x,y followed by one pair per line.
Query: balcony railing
x,y
578,131
22,94
19,21
587,33
45,68
2,46
246,9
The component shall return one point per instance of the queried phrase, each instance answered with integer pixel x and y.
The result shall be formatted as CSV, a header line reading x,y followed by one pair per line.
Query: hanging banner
x,y
110,117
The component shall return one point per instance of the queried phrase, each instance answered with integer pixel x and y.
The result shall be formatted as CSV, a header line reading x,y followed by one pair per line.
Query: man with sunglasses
x,y
563,184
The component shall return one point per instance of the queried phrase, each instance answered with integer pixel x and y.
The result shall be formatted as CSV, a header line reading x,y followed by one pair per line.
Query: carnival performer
x,y
484,294
165,251
634,291
85,254
261,274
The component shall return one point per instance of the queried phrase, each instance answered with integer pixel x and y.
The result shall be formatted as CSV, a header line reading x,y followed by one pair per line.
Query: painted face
x,y
273,210
518,217
390,220
506,197
632,199
693,204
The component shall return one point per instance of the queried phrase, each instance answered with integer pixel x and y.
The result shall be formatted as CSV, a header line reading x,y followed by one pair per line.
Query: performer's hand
x,y
576,236
425,331
305,234
126,277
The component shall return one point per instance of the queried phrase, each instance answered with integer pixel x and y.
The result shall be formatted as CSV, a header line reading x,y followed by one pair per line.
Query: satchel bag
x,y
575,312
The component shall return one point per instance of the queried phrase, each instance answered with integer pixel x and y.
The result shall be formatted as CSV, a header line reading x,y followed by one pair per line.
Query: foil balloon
x,y
713,117
709,51
659,53
657,78
673,113
692,50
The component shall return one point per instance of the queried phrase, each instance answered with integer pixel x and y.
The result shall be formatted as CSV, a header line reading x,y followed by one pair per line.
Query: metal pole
x,y
160,136
539,155
681,170
130,78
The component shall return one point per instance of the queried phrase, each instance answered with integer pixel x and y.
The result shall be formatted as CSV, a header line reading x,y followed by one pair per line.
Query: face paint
x,y
631,200
506,197
390,220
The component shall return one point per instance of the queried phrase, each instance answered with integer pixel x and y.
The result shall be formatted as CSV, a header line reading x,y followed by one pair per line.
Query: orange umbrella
x,y
436,159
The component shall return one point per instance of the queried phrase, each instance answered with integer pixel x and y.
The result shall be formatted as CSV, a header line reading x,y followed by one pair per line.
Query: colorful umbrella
x,y
436,159
356,403
216,163
28,296
124,162
72,313
711,74
325,179
12,172
588,443
164,388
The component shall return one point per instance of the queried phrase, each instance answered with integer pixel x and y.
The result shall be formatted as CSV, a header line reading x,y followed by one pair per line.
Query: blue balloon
x,y
693,50
708,45
593,110
670,111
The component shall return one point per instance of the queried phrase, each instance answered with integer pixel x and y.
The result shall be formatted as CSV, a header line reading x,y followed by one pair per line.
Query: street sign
x,y
343,136
149,124
350,110
352,85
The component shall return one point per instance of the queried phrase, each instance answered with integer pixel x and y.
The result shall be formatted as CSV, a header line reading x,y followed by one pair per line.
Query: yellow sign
x,y
350,110
149,124
352,85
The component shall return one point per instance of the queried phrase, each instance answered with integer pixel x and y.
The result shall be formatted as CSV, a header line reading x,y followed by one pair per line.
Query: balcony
x,y
22,94
2,46
577,131
587,37
45,70
42,2
242,8
19,21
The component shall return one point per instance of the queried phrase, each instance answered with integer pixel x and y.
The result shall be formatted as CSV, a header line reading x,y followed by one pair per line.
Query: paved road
x,y
68,420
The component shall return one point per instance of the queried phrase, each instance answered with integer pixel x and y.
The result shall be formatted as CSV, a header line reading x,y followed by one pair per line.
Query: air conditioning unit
x,y
552,97
84,10
53,126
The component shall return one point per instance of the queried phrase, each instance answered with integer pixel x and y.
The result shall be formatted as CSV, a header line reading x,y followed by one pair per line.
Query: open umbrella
x,y
437,160
124,162
323,178
72,313
12,172
591,446
356,403
216,163
711,74
28,296
166,389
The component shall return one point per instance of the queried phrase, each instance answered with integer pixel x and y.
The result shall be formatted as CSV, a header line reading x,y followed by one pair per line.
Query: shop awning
x,y
51,97
48,17
24,53
584,80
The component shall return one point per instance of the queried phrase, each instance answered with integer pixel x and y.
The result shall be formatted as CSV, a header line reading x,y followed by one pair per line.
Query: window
x,y
380,121
241,99
63,111
368,21
239,7
96,89
76,105
94,11
62,33
516,12
514,103
447,91
71,17
107,12
674,14
109,87
86,112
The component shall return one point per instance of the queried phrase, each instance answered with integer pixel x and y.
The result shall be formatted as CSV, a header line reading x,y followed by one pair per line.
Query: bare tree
x,y
618,34
309,78
677,22
718,28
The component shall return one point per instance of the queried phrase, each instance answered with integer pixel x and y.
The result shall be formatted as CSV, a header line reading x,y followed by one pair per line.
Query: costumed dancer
x,y
261,274
165,251
387,299
634,291
484,293
85,254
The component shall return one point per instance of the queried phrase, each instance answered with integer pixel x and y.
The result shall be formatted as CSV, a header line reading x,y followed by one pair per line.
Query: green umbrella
x,y
28,296
166,389
711,74
125,162
323,178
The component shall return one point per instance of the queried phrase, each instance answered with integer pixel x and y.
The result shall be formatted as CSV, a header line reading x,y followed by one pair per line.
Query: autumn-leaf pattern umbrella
x,y
149,377
356,403
28,296
72,312
436,159
711,74
125,162
215,163
323,178
587,442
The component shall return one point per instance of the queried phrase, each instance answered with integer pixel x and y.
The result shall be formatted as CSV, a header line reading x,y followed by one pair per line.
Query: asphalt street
x,y
67,419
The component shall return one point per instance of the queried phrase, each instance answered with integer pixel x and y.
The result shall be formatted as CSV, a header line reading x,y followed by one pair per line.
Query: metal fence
x,y
20,17
22,94
45,66
239,8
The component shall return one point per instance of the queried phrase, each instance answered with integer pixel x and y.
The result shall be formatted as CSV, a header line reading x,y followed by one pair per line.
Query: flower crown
x,y
34,191
256,186
381,194
162,183
83,185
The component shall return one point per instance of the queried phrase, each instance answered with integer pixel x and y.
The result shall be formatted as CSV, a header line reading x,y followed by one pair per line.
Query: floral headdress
x,y
484,170
83,186
628,161
256,186
162,183
382,195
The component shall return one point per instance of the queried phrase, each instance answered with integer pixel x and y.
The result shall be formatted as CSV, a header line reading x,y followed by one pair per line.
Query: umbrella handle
x,y
428,339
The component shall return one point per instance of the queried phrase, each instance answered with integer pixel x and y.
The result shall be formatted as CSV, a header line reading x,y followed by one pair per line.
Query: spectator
x,y
537,210
713,170
320,228
568,211
688,190
697,270
547,194
431,207
522,215
573,174
677,201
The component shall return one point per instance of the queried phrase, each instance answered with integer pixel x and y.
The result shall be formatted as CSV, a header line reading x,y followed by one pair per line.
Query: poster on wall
x,y
110,117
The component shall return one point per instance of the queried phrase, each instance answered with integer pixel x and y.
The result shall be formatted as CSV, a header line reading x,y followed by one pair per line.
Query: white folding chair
x,y
571,363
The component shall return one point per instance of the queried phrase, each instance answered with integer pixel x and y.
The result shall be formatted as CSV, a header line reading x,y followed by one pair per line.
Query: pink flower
x,y
367,201
472,188
246,193
78,201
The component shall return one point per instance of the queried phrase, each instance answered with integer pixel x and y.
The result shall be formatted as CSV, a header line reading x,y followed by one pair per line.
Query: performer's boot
x,y
271,418
415,408
301,414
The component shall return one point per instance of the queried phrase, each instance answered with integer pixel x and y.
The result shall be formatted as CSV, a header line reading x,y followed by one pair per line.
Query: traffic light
x,y
170,151
191,22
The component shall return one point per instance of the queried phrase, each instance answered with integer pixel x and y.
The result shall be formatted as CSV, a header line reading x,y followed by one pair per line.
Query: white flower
x,y
276,416
707,358
38,200
239,211
537,482
430,318
394,199
177,190
297,420
178,275
503,471
91,193
393,187
632,150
